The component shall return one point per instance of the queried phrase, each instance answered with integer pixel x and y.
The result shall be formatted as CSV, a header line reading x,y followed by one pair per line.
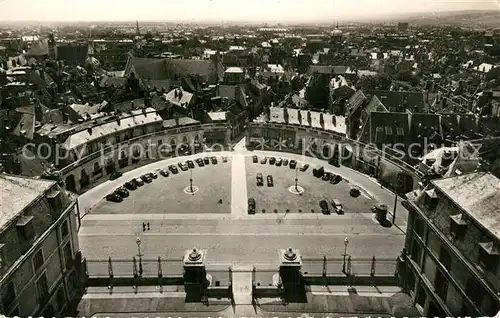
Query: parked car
x,y
304,167
251,206
115,175
173,169
213,159
206,160
260,179
318,172
255,159
272,161
164,172
139,182
131,185
285,162
293,164
270,182
113,197
337,206
326,176
190,164
324,207
147,178
121,191
200,162
224,159
153,174
263,160
279,162
335,179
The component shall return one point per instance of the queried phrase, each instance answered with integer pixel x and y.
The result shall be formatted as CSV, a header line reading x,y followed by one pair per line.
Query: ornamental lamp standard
x,y
346,242
138,242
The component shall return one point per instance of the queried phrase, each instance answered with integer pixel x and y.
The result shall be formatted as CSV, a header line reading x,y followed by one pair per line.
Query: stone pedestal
x,y
290,266
195,275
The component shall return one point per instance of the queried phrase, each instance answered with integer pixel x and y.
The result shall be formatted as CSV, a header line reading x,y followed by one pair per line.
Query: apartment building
x,y
453,246
39,253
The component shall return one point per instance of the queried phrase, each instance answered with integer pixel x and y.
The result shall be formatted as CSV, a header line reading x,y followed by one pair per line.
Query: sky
x,y
225,10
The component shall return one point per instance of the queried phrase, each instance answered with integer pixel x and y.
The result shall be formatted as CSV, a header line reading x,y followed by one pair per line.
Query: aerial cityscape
x,y
217,158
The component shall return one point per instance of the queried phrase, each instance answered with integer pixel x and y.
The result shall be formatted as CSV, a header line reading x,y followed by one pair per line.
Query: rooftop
x,y
478,195
16,193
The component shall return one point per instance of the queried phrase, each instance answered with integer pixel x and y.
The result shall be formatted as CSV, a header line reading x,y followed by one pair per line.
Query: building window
x,y
64,229
60,298
68,255
416,251
3,261
458,226
419,226
445,258
488,256
441,285
42,289
8,295
38,260
25,227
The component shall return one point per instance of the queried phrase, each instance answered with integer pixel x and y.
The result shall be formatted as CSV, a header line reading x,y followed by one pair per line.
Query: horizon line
x,y
380,18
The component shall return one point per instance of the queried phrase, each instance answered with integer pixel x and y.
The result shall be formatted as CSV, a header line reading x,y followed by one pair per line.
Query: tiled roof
x,y
136,119
397,100
478,195
17,193
39,48
217,116
113,81
328,69
356,100
169,123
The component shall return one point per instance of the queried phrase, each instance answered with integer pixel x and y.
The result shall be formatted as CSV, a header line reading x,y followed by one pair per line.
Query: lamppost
x,y
138,242
346,242
191,181
296,179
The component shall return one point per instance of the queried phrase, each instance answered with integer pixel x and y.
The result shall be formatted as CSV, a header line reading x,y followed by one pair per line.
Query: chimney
x,y
89,130
64,116
42,74
285,115
14,63
299,116
132,105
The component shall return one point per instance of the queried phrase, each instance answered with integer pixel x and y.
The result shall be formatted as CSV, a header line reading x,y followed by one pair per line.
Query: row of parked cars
x,y
122,192
279,162
336,206
260,180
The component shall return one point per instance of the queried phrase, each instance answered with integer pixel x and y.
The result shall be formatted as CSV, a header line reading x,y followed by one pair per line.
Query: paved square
x,y
180,221
279,197
166,194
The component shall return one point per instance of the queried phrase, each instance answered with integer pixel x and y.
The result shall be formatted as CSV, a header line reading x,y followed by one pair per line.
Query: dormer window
x,y
489,253
458,225
25,227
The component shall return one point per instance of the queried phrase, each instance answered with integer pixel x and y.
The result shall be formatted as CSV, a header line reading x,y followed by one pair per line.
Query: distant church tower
x,y
137,30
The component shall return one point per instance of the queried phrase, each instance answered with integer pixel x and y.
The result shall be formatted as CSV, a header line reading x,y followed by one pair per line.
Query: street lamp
x,y
296,179
138,242
191,181
346,242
